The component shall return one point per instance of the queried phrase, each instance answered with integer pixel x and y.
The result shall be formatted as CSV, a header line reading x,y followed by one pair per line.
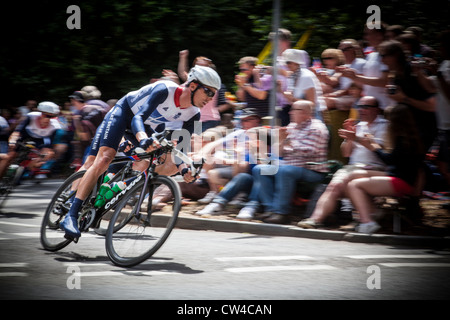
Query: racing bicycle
x,y
134,226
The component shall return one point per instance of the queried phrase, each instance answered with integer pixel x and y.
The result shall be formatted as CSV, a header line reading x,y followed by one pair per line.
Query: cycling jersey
x,y
30,129
148,110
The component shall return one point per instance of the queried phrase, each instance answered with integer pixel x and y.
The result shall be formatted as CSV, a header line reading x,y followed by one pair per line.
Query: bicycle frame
x,y
149,173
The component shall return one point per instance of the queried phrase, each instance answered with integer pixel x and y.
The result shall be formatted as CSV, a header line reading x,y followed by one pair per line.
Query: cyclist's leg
x,y
106,142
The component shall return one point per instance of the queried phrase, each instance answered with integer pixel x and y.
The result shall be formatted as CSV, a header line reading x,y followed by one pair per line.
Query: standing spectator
x,y
393,31
284,43
86,119
304,140
303,83
375,73
210,113
93,96
250,88
410,87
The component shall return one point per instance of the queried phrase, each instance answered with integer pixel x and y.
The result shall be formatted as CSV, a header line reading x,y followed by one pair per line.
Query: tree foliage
x,y
122,44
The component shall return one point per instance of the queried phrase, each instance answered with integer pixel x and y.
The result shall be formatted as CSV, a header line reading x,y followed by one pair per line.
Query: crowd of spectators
x,y
352,105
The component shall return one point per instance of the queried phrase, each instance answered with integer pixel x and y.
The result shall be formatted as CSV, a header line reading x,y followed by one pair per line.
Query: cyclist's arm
x,y
157,96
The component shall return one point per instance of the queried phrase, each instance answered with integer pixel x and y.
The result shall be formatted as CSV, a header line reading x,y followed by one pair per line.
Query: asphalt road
x,y
208,265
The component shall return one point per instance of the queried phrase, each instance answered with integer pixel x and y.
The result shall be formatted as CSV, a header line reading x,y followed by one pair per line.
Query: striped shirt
x,y
307,142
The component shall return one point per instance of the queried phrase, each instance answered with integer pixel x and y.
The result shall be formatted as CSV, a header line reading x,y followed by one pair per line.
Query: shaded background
x,y
123,44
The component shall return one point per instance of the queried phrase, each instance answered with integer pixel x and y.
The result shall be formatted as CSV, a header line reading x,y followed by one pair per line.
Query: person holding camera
x,y
405,83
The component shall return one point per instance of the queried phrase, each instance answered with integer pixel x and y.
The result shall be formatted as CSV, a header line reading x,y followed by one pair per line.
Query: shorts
x,y
112,129
401,188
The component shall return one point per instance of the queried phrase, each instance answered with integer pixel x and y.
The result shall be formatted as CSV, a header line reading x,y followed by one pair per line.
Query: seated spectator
x,y
403,164
302,83
304,140
257,147
225,152
250,89
361,161
40,127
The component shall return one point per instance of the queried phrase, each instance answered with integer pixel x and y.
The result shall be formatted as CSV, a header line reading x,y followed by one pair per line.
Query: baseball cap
x,y
249,112
78,95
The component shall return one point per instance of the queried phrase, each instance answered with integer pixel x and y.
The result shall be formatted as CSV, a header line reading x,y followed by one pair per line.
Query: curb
x,y
193,223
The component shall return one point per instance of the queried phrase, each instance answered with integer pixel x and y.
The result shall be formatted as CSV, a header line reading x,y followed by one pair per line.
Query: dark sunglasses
x,y
327,58
49,116
207,91
364,106
244,69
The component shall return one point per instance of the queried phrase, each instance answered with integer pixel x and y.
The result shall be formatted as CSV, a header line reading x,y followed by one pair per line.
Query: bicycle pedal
x,y
68,237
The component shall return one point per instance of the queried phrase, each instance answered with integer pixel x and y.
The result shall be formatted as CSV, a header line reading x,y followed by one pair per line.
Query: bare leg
x,y
362,190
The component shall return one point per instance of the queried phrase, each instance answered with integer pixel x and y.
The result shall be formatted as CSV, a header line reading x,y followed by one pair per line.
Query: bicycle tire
x,y
52,238
8,184
136,241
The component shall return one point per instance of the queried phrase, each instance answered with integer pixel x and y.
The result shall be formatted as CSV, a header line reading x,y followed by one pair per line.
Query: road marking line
x,y
13,274
395,256
264,258
417,264
281,268
13,265
20,224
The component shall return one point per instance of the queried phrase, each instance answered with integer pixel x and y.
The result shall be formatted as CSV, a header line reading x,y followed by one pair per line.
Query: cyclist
x,y
144,111
40,127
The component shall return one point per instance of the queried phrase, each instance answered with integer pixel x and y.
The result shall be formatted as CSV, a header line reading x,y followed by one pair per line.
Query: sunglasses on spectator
x,y
207,91
327,58
49,116
244,69
364,106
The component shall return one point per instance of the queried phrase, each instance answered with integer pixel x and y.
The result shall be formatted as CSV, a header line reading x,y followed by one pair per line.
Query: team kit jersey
x,y
152,108
31,130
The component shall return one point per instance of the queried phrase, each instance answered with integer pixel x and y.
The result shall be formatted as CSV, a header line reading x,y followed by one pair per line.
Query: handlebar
x,y
164,142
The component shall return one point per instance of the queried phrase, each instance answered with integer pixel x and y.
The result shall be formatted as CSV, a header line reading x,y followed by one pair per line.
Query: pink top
x,y
210,111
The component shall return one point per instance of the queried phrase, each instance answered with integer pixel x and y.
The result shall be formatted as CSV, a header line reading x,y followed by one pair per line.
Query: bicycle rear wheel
x,y
52,237
134,236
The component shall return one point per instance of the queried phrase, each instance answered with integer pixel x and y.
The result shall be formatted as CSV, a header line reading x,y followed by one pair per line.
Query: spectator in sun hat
x,y
302,83
93,96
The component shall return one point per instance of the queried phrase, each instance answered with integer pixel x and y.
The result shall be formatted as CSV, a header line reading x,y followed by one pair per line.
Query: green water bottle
x,y
115,188
108,177
100,200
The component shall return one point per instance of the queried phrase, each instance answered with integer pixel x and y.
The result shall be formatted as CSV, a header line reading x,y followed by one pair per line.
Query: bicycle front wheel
x,y
52,237
136,232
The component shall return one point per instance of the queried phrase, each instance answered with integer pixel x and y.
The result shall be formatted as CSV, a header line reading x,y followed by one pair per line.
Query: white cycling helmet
x,y
48,107
205,75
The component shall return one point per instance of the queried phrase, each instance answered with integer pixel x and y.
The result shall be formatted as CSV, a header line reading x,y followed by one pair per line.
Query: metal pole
x,y
275,27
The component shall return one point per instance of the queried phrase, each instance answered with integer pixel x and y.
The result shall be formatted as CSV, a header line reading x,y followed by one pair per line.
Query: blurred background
x,y
123,44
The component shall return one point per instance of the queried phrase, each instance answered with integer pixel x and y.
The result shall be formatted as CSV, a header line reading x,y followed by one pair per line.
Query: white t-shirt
x,y
358,65
361,154
375,68
307,79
